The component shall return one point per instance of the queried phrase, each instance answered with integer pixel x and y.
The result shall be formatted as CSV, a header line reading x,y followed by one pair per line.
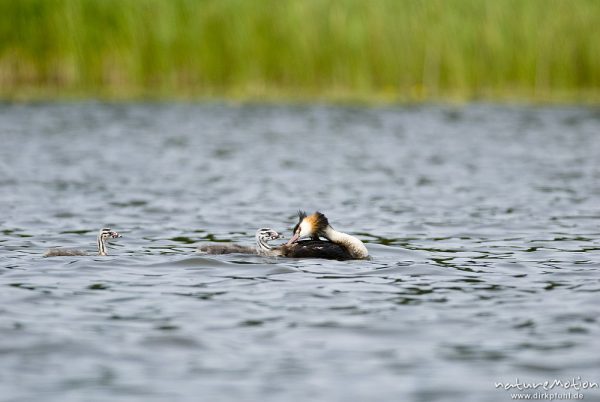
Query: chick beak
x,y
294,238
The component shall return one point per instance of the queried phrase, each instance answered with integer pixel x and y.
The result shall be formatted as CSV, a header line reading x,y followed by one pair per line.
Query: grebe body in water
x,y
263,236
314,249
341,246
103,236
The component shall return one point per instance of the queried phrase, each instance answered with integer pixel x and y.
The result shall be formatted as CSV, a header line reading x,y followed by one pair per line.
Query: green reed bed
x,y
301,49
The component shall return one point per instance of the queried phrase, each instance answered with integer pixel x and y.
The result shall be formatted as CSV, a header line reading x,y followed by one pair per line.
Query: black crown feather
x,y
322,222
301,216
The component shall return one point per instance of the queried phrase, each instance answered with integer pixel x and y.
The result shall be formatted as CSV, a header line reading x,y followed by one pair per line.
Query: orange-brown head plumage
x,y
312,226
318,222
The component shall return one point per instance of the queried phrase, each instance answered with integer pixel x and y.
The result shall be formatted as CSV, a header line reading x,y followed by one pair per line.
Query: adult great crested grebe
x,y
263,236
341,246
103,236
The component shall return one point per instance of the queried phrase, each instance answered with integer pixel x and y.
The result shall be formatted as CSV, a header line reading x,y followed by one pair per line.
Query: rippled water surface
x,y
483,223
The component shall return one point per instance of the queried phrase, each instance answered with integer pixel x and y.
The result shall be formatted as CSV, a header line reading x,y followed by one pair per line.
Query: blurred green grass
x,y
381,50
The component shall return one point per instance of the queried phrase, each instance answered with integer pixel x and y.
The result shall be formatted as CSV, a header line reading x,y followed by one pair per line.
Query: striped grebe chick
x,y
262,247
103,236
341,246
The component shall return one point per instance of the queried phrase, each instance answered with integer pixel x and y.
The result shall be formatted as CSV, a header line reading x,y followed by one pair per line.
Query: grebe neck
x,y
262,247
354,246
101,245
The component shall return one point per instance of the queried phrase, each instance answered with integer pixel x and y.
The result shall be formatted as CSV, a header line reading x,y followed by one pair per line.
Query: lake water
x,y
483,223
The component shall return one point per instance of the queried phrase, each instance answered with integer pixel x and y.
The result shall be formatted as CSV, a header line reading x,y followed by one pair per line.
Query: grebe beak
x,y
294,238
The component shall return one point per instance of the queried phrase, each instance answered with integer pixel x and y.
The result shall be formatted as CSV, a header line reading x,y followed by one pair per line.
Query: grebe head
x,y
313,225
267,234
263,236
105,233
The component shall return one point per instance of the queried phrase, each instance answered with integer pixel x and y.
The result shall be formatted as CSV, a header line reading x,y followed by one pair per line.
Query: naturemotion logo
x,y
575,384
